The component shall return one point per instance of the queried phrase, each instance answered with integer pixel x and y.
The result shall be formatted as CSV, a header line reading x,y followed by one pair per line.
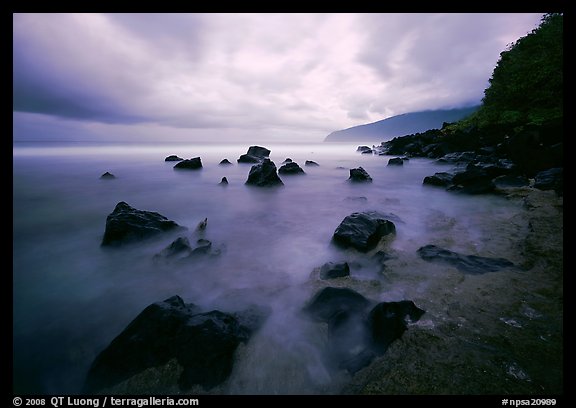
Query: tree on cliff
x,y
526,86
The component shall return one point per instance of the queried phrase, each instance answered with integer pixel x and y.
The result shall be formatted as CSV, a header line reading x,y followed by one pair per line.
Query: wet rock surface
x,y
264,174
471,264
359,329
203,344
359,175
127,224
363,230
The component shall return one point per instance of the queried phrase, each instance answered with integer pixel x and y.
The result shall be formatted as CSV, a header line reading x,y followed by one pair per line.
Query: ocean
x,y
71,296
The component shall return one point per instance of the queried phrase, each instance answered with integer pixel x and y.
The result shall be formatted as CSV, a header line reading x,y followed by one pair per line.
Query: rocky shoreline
x,y
386,347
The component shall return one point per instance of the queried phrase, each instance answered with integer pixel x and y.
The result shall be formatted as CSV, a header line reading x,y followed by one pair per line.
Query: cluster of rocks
x,y
359,329
203,343
263,173
484,156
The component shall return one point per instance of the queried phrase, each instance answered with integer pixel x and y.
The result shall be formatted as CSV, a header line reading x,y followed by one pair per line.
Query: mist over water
x,y
72,297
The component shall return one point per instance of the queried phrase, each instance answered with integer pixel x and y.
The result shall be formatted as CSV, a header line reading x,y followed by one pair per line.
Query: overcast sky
x,y
245,77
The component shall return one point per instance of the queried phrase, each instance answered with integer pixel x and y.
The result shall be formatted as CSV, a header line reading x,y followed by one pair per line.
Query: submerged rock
x,y
387,322
181,250
255,154
177,249
551,179
356,335
173,157
471,264
331,270
264,174
363,230
224,181
202,343
442,179
359,175
291,168
189,164
396,161
126,224
224,162
329,302
364,149
311,163
107,176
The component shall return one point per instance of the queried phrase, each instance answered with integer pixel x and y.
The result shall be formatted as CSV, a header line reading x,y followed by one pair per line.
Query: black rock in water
x,y
387,322
225,162
288,160
442,179
356,335
291,168
189,164
107,176
363,230
359,175
178,248
173,157
264,174
311,163
471,264
224,181
396,161
364,149
203,343
127,224
329,302
255,154
506,181
551,179
331,270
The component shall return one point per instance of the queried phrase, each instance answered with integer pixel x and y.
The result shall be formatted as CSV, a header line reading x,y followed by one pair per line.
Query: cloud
x,y
297,72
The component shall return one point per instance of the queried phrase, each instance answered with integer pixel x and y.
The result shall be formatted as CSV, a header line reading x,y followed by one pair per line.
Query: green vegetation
x,y
526,87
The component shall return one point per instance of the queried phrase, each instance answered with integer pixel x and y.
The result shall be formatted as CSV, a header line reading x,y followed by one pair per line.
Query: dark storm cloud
x,y
298,72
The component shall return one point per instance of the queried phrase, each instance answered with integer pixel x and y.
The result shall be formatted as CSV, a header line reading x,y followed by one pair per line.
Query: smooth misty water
x,y
72,297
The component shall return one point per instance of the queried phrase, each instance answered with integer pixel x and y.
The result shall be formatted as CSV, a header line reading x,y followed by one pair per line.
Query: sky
x,y
284,77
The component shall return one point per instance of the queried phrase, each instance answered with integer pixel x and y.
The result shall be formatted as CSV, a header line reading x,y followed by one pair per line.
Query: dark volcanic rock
x,y
331,270
364,149
173,157
189,164
329,302
363,230
178,248
396,161
471,264
126,224
224,181
457,157
311,163
551,179
442,179
264,174
387,322
291,168
255,154
107,176
506,181
355,335
359,175
203,343
288,160
225,162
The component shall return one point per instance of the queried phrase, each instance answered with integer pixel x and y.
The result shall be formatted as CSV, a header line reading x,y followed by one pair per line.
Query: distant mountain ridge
x,y
400,125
